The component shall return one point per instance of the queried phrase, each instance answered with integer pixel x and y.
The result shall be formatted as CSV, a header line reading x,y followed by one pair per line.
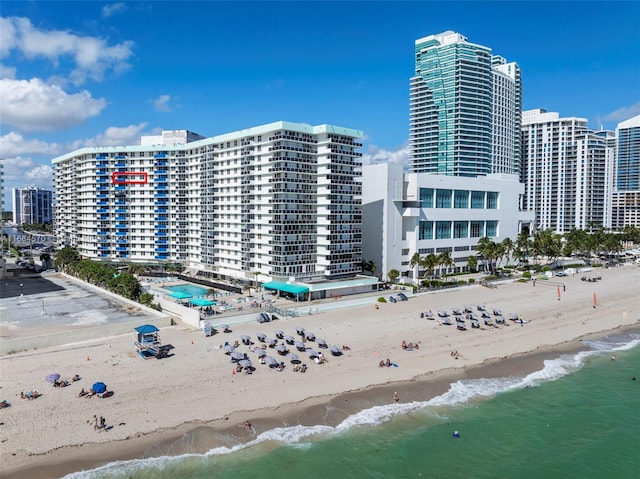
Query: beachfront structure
x,y
568,172
32,205
465,106
407,213
274,202
626,193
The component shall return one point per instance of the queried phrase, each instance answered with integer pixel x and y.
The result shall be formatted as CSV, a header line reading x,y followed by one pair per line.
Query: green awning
x,y
179,295
287,288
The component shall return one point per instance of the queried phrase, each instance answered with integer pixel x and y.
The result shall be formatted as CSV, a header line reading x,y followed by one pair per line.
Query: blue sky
x,y
76,74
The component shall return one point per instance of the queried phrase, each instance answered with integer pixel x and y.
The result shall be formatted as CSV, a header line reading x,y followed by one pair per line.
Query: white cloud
x,y
375,155
22,172
117,136
14,144
7,71
32,105
113,8
93,56
624,113
162,103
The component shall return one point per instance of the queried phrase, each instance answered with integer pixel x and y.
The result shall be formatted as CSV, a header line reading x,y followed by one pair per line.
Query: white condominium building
x,y
568,172
408,213
32,205
276,201
626,194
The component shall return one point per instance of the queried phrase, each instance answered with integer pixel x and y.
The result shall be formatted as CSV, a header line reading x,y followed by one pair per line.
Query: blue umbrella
x,y
99,388
52,378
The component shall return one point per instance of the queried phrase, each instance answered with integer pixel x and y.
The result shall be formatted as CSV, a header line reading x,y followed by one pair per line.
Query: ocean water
x,y
579,417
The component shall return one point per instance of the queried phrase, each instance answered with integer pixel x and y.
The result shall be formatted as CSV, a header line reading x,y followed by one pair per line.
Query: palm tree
x,y
472,263
444,259
429,263
508,245
393,275
413,262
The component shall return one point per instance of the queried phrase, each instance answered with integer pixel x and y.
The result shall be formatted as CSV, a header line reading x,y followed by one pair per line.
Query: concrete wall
x,y
68,337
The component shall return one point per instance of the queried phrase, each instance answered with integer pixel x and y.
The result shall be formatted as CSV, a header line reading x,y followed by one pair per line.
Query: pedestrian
x,y
247,425
95,422
395,397
564,287
613,358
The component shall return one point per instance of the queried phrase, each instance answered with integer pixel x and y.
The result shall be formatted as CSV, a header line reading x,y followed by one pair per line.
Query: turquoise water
x,y
579,417
189,289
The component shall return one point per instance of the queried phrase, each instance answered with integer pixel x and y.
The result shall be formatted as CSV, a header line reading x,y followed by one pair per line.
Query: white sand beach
x,y
158,399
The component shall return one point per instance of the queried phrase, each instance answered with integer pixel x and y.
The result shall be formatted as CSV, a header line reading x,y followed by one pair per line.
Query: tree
x,y
413,262
393,275
472,263
429,263
444,259
508,246
67,259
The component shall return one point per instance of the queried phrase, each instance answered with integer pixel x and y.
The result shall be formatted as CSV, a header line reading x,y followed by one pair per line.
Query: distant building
x,y
273,202
32,206
626,194
568,172
407,213
465,109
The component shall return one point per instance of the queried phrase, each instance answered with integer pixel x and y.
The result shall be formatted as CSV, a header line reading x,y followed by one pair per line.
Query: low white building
x,y
407,213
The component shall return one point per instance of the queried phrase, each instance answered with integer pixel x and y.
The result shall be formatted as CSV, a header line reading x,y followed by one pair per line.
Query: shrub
x,y
381,300
526,275
472,280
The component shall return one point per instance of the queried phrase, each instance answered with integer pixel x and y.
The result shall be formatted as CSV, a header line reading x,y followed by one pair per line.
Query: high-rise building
x,y
626,195
280,201
32,206
464,109
568,172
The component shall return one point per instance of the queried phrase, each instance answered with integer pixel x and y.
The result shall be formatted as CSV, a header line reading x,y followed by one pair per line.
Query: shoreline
x,y
158,404
311,411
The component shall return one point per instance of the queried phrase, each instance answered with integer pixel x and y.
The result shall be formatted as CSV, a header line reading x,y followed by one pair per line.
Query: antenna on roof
x,y
600,123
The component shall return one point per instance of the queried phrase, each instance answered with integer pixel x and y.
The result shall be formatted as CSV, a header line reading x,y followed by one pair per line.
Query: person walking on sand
x,y
395,397
247,425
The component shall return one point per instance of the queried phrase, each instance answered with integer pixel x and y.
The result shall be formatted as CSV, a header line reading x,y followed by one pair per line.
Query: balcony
x,y
101,195
161,250
101,210
121,248
161,257
121,218
161,203
120,164
121,210
161,241
121,226
160,195
160,233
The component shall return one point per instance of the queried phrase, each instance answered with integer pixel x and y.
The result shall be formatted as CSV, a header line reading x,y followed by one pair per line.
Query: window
x,y
461,199
443,198
492,200
492,229
477,229
425,230
426,197
460,229
443,229
477,200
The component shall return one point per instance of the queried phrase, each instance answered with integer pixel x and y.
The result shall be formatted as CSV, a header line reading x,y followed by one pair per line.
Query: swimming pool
x,y
189,289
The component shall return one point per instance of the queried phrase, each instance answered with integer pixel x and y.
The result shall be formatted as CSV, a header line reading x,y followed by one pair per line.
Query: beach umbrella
x,y
52,378
228,348
236,356
289,339
245,363
281,348
99,388
272,342
300,346
261,353
293,357
225,327
310,336
321,343
335,350
300,330
312,353
270,361
279,333
261,337
246,339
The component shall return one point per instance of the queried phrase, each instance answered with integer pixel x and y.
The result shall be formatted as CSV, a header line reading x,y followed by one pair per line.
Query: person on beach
x,y
247,425
381,364
613,358
395,397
